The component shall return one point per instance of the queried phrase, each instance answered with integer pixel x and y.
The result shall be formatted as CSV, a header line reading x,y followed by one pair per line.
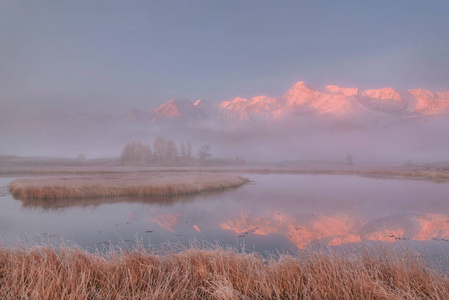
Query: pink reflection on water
x,y
167,221
339,229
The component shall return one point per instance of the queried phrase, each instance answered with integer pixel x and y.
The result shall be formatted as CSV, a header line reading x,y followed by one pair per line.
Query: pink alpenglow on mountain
x,y
345,91
331,103
383,94
177,111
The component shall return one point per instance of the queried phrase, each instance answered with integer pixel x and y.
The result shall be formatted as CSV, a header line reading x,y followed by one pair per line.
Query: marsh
x,y
272,212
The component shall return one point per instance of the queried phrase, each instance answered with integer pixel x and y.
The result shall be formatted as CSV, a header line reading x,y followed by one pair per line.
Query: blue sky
x,y
108,56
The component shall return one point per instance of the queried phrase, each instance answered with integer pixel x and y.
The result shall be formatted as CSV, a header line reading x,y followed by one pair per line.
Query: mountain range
x,y
307,122
303,102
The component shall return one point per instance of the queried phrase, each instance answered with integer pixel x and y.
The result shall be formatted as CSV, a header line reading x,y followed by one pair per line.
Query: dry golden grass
x,y
45,272
126,184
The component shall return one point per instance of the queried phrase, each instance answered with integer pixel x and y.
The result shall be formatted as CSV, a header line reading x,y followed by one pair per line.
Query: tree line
x,y
162,152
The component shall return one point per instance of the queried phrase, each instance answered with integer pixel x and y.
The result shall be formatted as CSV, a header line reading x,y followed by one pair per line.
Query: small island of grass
x,y
126,184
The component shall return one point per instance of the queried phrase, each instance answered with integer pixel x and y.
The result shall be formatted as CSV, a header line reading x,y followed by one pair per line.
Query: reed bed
x,y
127,184
58,272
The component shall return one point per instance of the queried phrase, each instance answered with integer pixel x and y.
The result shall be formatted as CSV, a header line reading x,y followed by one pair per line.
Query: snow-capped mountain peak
x,y
331,102
172,108
383,94
345,91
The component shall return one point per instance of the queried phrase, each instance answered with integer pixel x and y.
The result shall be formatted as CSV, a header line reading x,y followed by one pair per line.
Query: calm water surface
x,y
283,212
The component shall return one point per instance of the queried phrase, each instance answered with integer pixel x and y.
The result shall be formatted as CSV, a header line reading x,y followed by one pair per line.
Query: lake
x,y
272,212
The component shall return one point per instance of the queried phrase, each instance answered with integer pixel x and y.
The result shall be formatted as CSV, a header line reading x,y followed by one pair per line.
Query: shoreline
x,y
393,172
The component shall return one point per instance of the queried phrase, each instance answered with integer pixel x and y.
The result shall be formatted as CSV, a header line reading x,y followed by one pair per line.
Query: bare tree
x,y
159,149
182,150
127,154
204,152
136,154
189,151
144,154
240,161
348,159
172,151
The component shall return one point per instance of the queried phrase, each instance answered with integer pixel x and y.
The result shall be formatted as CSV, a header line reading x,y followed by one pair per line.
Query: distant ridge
x,y
324,104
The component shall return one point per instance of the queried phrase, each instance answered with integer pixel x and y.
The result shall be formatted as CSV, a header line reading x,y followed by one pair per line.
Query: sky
x,y
110,56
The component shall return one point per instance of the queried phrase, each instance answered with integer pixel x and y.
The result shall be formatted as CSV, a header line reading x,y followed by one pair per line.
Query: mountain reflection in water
x,y
338,229
276,212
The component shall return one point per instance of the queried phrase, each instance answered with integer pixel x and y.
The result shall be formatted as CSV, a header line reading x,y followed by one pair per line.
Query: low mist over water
x,y
283,212
224,149
303,132
319,81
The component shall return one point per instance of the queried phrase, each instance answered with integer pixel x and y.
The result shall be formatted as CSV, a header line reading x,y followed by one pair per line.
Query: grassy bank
x,y
126,184
437,174
43,272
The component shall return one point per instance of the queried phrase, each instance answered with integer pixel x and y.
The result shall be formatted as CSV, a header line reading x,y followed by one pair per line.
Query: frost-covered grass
x,y
212,272
424,174
436,174
125,184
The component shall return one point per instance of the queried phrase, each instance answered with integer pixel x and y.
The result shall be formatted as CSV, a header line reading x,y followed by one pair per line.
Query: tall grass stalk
x,y
213,272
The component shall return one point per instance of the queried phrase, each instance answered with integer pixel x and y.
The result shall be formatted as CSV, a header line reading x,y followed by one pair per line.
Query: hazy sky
x,y
107,56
